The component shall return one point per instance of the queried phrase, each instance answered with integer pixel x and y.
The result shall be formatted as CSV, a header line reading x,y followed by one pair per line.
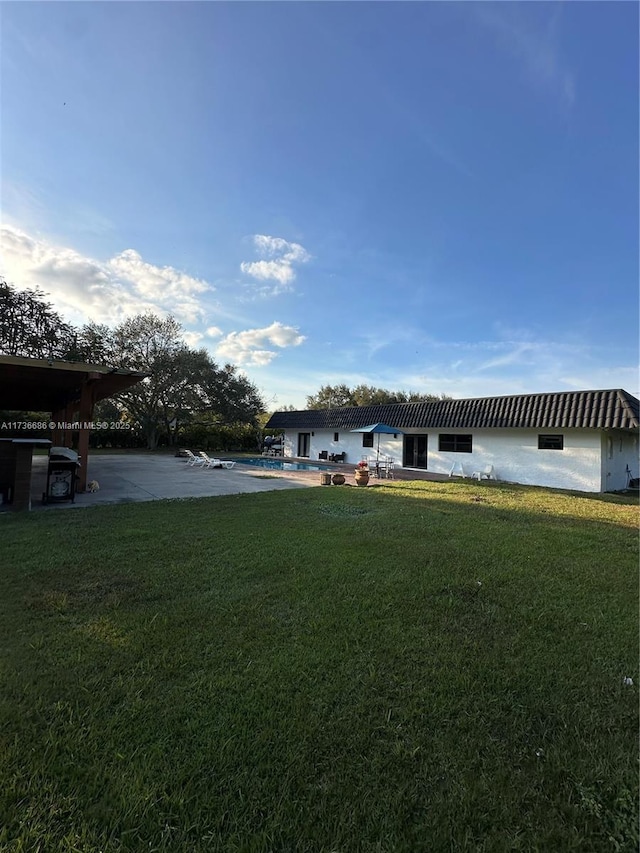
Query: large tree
x,y
181,381
331,397
30,327
335,396
231,396
94,344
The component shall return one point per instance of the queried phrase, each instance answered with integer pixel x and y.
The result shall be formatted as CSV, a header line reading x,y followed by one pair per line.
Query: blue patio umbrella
x,y
379,429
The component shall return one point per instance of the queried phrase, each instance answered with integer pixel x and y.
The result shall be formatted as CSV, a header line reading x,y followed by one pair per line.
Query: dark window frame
x,y
455,442
547,441
336,436
367,439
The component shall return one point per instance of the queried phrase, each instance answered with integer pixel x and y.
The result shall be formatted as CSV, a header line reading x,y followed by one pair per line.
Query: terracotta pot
x,y
338,479
362,477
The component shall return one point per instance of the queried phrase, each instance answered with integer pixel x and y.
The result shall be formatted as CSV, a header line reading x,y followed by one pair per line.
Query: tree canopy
x,y
30,327
337,396
181,382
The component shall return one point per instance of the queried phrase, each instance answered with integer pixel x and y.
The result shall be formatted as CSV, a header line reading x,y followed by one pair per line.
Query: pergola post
x,y
85,416
65,435
57,435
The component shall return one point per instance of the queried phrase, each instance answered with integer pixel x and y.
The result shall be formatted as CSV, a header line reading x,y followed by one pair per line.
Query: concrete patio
x,y
132,477
137,476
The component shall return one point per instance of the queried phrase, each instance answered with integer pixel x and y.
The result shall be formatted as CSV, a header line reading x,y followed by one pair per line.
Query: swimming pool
x,y
281,465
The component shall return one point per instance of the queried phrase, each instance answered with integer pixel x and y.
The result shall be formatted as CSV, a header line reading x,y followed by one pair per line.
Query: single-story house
x,y
583,440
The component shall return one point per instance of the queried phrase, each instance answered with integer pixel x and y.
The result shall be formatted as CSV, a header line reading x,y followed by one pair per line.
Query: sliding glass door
x,y
304,443
415,451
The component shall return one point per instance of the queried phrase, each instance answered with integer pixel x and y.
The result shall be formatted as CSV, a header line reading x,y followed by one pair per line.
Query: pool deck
x,y
138,476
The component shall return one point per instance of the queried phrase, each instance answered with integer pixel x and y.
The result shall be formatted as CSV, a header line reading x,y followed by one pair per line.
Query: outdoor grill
x,y
61,475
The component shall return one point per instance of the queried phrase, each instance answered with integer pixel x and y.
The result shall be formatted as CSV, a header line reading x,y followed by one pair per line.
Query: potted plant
x,y
362,473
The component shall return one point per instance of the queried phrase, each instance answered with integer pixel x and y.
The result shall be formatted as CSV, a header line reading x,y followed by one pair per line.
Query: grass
x,y
412,667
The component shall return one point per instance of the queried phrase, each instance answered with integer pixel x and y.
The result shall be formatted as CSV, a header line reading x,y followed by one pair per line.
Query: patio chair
x,y
226,463
457,470
386,468
487,473
209,462
376,466
192,459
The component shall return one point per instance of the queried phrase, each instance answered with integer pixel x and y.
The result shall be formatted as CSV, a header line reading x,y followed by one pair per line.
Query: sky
x,y
437,197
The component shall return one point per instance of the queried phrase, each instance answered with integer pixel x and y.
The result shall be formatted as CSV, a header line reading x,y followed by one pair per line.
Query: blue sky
x,y
435,197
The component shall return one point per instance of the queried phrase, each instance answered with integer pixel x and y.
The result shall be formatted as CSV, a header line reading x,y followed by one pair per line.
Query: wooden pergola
x,y
66,390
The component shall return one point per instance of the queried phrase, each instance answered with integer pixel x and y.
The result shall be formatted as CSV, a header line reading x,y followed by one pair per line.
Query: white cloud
x,y
83,288
193,339
151,281
279,271
276,264
272,246
250,347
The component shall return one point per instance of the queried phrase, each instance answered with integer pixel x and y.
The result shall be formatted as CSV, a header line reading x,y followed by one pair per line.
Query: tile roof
x,y
614,409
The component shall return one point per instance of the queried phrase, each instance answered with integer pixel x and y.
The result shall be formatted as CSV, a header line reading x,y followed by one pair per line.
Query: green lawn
x,y
410,667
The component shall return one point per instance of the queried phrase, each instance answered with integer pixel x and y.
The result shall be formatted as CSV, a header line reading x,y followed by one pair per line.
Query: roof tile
x,y
612,409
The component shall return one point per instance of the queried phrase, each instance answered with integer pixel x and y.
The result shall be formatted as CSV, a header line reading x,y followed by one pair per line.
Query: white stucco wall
x,y
348,442
515,457
589,462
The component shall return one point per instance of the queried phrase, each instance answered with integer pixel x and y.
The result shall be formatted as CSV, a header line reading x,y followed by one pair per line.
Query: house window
x,y
367,439
455,443
336,437
550,442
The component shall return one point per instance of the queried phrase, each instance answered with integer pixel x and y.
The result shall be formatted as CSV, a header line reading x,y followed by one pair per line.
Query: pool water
x,y
281,465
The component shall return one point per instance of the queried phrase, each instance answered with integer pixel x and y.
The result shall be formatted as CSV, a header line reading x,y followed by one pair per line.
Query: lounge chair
x,y
192,459
209,462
